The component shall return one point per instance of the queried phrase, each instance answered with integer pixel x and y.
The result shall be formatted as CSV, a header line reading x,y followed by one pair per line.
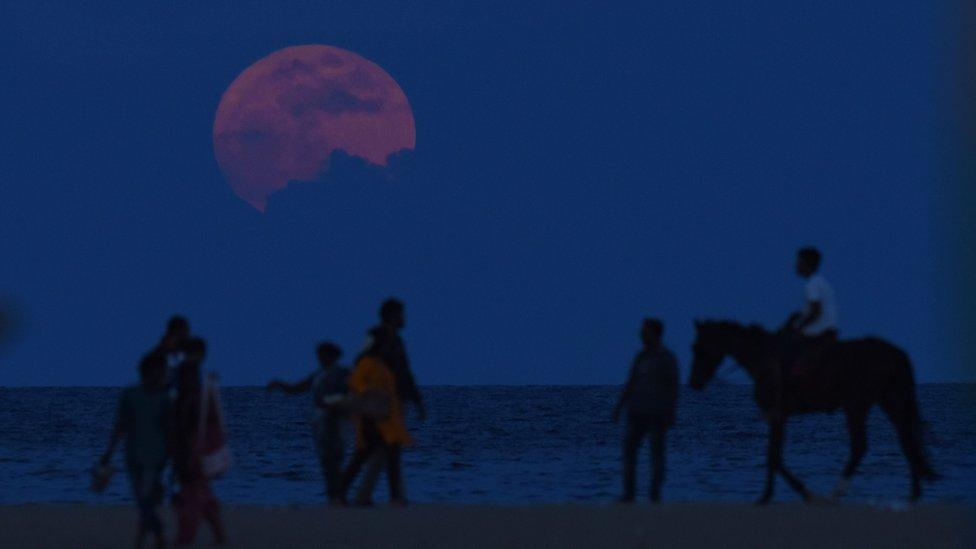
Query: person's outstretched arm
x,y
790,324
814,310
291,388
409,386
118,431
412,392
414,395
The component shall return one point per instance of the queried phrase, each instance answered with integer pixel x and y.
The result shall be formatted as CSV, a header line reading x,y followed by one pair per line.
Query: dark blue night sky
x,y
577,168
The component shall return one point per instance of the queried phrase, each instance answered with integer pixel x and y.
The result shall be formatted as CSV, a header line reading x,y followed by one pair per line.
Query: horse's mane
x,y
727,325
754,333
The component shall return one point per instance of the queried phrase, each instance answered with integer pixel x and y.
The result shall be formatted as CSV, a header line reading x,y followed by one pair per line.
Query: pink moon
x,y
282,118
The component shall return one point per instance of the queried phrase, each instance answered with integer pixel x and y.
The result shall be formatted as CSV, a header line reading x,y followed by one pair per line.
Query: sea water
x,y
502,445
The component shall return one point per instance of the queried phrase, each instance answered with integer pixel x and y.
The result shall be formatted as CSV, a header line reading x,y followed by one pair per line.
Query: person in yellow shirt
x,y
378,416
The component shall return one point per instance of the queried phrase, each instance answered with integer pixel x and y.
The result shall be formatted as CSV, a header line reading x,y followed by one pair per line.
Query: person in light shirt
x,y
818,320
805,335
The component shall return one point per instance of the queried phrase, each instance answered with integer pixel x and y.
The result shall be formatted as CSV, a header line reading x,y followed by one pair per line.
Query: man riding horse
x,y
818,322
803,368
804,337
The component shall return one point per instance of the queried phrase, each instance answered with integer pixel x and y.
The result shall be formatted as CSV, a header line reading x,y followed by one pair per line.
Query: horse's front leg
x,y
857,428
774,463
774,456
779,434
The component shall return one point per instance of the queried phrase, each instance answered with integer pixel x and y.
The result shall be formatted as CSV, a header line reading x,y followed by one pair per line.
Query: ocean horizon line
x,y
440,385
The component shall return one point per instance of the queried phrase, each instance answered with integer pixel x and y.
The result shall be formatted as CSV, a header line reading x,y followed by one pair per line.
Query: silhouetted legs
x,y
774,464
658,459
331,450
147,490
368,450
857,429
904,419
375,449
393,453
632,441
639,427
364,494
911,449
773,454
195,502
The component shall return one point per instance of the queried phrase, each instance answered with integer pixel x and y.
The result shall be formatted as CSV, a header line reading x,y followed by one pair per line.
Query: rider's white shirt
x,y
818,289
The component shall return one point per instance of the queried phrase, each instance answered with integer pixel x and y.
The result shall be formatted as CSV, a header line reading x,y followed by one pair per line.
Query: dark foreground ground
x,y
671,525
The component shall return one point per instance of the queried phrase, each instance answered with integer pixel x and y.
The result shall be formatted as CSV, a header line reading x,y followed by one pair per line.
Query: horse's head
x,y
713,342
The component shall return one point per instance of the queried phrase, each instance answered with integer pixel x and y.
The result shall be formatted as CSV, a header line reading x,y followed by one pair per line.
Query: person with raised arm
x,y
328,387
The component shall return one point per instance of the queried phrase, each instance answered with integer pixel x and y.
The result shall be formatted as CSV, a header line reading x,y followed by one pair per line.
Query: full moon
x,y
282,118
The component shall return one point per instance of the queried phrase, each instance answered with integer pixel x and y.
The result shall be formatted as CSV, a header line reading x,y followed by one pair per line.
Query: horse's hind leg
x,y
911,445
913,451
773,457
857,428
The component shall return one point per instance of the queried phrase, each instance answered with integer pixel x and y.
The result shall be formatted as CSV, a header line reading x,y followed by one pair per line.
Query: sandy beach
x,y
670,525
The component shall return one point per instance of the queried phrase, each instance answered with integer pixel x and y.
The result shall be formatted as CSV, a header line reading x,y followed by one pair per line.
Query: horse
x,y
849,375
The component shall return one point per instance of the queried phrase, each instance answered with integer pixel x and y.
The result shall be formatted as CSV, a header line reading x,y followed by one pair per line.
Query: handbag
x,y
212,433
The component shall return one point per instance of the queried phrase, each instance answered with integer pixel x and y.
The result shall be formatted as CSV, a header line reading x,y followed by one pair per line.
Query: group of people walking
x,y
169,418
160,417
373,396
164,419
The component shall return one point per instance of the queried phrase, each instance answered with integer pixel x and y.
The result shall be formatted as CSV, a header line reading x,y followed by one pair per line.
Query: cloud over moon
x,y
283,117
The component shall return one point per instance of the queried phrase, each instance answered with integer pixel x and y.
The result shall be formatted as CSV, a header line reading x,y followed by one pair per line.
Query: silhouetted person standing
x,y
142,420
195,500
380,430
329,408
650,398
392,321
394,355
